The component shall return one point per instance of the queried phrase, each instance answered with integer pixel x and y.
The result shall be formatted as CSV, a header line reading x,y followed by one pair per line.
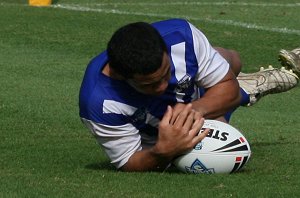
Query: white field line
x,y
214,21
181,3
284,30
203,3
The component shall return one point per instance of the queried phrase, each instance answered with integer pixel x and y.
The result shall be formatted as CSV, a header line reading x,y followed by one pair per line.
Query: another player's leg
x,y
290,59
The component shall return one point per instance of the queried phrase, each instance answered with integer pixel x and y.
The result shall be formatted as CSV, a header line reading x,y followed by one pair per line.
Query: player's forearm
x,y
218,100
147,160
213,111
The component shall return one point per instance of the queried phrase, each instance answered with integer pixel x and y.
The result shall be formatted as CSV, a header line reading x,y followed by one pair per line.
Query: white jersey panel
x,y
212,66
178,57
118,142
111,106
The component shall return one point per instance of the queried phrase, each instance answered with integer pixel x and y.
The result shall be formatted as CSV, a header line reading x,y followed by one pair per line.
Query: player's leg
x,y
258,84
232,57
234,60
267,81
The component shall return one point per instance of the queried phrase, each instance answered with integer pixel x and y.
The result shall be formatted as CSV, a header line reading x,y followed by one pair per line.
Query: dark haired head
x,y
136,48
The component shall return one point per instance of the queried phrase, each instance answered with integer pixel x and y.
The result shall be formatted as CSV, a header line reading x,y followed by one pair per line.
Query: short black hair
x,y
136,48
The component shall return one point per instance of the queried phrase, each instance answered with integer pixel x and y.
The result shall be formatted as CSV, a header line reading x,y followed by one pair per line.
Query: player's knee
x,y
232,57
235,63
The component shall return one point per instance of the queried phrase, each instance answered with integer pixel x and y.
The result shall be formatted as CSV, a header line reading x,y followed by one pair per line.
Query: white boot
x,y
290,60
267,81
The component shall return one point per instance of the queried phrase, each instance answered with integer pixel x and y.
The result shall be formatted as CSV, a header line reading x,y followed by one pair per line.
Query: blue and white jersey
x,y
125,121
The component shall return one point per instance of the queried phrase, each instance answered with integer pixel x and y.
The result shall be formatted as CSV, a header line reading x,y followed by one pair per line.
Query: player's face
x,y
155,83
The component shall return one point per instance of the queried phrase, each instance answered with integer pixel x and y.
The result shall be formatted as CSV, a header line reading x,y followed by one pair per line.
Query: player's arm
x,y
219,98
215,74
174,138
146,160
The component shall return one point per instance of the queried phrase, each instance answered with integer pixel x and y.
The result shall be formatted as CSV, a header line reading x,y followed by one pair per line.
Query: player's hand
x,y
178,132
178,108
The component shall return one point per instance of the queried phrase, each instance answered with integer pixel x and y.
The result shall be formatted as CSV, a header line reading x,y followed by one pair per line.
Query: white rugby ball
x,y
223,150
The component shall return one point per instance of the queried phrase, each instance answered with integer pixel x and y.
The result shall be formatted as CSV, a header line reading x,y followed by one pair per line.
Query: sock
x,y
245,98
227,115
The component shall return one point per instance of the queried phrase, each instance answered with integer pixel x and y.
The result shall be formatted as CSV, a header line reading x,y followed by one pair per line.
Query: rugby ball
x,y
223,150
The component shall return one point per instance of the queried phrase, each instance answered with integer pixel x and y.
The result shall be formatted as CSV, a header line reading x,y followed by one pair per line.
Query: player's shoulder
x,y
171,22
99,60
170,25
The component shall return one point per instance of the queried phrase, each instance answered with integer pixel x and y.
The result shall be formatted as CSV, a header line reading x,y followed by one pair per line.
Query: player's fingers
x,y
198,120
177,109
167,116
198,115
176,112
189,121
200,136
197,126
181,118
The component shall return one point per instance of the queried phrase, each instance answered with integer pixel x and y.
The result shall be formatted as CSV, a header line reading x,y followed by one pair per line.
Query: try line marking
x,y
86,8
204,3
74,7
182,3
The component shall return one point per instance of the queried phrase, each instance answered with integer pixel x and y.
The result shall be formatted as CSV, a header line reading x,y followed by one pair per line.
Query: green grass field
x,y
47,152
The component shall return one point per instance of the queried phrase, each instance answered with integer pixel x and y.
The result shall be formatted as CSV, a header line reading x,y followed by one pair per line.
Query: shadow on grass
x,y
171,170
101,166
174,170
106,165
